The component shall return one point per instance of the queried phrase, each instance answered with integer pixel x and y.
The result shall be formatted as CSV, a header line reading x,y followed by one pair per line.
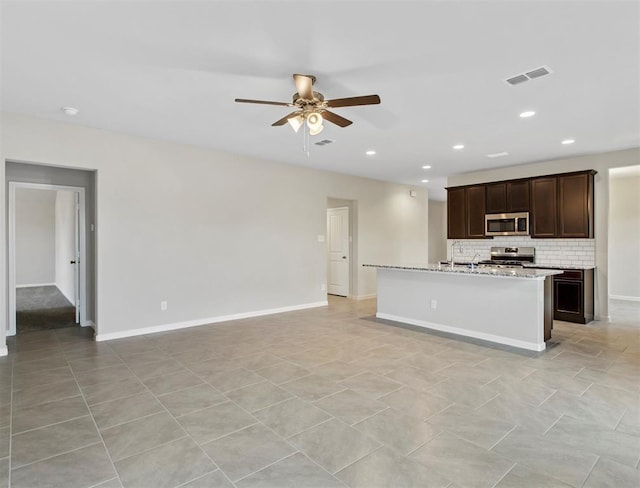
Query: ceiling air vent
x,y
538,72
517,79
323,142
529,75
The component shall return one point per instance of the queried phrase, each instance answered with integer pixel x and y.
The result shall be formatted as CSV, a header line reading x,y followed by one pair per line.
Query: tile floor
x,y
321,398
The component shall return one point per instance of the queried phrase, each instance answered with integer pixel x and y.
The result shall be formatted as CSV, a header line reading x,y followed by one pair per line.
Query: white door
x,y
76,261
338,251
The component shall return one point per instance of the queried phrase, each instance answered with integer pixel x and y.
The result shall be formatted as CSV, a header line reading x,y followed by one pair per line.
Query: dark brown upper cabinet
x,y
508,196
496,198
465,212
562,205
558,205
544,207
475,200
518,196
575,205
456,214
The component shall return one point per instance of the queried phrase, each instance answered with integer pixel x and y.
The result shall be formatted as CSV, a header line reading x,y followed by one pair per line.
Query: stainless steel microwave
x,y
507,224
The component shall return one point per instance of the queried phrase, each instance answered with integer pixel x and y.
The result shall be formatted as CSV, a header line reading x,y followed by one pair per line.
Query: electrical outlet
x,y
163,305
434,304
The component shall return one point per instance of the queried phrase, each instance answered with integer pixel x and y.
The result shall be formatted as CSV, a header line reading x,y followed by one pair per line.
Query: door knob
x,y
72,262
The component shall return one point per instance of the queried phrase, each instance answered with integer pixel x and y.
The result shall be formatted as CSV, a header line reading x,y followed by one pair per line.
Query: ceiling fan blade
x,y
336,119
353,101
264,102
284,119
304,85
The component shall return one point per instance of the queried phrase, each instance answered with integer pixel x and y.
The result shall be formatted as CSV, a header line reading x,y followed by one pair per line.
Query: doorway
x,y
340,247
624,242
47,248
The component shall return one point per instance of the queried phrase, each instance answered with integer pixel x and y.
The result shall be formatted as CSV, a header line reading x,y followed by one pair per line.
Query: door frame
x,y
349,250
11,237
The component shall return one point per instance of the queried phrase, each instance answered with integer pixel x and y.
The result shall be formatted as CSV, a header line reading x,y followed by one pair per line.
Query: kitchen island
x,y
513,307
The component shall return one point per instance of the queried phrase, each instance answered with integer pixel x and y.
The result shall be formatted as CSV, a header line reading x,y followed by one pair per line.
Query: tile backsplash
x,y
549,252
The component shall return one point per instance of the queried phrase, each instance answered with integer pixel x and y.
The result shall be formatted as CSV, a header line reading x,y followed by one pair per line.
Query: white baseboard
x,y
33,285
602,318
210,320
4,351
366,297
624,297
531,346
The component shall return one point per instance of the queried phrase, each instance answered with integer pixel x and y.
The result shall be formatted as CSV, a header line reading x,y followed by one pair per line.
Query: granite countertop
x,y
555,266
533,273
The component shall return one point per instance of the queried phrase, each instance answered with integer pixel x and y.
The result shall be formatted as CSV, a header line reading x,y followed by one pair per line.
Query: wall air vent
x,y
323,142
529,75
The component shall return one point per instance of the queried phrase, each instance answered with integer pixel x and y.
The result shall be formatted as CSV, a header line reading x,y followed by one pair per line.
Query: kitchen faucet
x,y
476,255
453,249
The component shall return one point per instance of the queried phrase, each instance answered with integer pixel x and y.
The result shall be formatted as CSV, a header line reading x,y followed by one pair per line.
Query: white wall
x,y
65,231
624,237
599,162
35,237
213,233
437,231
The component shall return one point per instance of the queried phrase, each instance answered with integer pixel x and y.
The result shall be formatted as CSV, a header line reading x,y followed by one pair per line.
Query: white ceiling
x,y
171,70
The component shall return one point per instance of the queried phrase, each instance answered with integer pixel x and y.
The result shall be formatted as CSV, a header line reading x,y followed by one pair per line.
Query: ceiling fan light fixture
x,y
296,122
314,120
316,130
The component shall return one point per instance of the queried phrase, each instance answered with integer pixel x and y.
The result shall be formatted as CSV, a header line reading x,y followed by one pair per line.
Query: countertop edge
x,y
524,273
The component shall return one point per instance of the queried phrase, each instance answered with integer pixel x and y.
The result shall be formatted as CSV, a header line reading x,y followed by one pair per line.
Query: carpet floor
x,y
43,308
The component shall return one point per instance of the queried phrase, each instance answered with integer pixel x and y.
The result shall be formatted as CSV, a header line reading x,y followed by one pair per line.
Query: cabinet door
x,y
456,218
573,206
544,208
518,196
496,198
475,196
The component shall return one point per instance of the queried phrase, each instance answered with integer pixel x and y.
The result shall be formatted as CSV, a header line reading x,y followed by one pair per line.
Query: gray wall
x,y
214,234
35,237
601,163
624,237
437,231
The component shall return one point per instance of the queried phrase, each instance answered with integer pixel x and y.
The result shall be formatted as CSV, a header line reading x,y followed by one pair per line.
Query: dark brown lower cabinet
x,y
573,296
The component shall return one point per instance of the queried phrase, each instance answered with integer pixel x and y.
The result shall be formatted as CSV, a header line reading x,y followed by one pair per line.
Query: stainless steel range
x,y
510,257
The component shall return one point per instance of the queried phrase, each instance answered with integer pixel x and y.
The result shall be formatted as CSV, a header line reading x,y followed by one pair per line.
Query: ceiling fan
x,y
312,107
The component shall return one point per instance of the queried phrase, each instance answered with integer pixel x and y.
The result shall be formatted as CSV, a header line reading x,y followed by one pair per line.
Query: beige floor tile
x,y
334,445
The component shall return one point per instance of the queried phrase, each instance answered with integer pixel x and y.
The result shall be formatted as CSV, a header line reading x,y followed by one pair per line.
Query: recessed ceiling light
x,y
497,155
70,110
459,146
425,181
371,152
426,166
528,113
568,141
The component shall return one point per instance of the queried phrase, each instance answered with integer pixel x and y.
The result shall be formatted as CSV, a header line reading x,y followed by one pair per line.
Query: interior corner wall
x,y
65,236
601,162
211,233
35,237
624,238
437,231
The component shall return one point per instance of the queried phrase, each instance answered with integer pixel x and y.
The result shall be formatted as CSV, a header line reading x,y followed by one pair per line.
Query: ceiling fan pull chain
x,y
305,140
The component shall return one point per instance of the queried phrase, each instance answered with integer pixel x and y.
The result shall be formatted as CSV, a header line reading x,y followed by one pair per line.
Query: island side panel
x,y
504,310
